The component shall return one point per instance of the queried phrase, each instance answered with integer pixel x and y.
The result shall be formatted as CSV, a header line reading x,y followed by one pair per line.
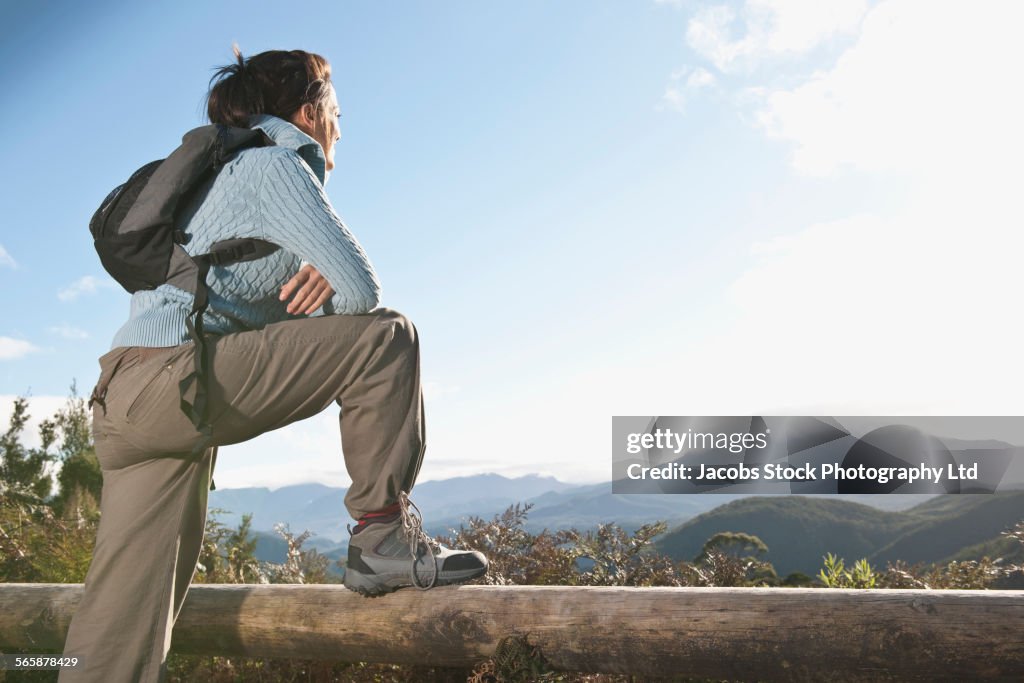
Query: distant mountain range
x,y
446,504
321,509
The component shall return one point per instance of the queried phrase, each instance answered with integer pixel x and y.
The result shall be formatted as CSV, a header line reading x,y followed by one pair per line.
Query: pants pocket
x,y
153,420
150,397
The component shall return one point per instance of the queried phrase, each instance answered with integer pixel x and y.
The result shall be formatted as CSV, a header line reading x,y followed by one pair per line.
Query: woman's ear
x,y
304,118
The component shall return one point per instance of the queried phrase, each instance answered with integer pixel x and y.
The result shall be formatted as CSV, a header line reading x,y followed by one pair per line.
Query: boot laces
x,y
412,524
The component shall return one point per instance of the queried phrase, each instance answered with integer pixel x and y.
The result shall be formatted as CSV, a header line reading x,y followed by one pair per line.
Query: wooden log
x,y
770,634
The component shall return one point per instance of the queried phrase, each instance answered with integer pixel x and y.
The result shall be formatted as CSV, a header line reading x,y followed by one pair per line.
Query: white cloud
x,y
700,78
684,79
84,285
732,40
914,308
902,99
6,259
69,332
11,349
739,39
673,99
903,308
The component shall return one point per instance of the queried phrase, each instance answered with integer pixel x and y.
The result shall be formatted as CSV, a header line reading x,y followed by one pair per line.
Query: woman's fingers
x,y
318,293
295,289
304,297
300,278
308,291
323,295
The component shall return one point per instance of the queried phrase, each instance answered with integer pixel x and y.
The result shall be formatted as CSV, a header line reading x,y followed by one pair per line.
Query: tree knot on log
x,y
454,626
515,660
927,606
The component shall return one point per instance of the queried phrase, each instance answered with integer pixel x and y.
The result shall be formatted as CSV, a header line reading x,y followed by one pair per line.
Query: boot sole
x,y
375,585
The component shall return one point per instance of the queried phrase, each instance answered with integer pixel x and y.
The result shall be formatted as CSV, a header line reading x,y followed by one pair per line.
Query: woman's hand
x,y
308,291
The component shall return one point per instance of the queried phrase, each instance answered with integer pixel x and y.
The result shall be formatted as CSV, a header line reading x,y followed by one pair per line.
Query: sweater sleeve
x,y
297,215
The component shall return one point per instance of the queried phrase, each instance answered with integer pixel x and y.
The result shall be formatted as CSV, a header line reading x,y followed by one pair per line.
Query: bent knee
x,y
403,332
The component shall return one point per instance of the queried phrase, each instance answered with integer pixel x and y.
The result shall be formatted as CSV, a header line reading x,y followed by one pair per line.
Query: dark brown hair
x,y
275,82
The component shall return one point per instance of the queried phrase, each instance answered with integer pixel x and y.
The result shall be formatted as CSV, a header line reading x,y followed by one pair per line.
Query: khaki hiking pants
x,y
153,508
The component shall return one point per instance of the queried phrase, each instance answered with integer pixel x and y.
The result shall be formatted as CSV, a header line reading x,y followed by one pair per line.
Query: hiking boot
x,y
386,556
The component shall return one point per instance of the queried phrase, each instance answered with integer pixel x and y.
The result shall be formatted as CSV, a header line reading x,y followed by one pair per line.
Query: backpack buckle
x,y
227,255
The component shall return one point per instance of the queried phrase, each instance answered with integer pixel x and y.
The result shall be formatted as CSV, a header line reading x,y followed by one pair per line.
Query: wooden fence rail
x,y
783,634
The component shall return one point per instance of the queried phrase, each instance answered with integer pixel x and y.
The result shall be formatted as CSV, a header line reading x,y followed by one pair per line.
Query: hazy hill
x,y
1010,550
949,524
799,531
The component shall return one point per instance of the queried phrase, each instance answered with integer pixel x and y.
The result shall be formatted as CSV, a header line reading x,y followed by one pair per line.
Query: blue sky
x,y
587,208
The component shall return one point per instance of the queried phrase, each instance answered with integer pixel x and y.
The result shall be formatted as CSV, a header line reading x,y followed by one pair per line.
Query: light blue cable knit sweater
x,y
273,193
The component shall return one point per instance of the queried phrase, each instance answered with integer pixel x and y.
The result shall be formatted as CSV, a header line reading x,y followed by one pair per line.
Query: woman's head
x,y
290,84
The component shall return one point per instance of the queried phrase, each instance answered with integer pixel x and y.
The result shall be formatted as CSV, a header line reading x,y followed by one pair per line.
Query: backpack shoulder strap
x,y
205,149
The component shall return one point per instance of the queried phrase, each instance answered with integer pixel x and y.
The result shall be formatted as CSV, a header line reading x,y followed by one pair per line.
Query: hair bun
x,y
274,82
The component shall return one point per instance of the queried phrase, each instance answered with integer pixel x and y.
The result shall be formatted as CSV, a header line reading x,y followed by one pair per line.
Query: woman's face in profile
x,y
323,126
330,128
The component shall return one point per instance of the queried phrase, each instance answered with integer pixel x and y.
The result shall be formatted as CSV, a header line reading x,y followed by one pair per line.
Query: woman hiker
x,y
286,335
